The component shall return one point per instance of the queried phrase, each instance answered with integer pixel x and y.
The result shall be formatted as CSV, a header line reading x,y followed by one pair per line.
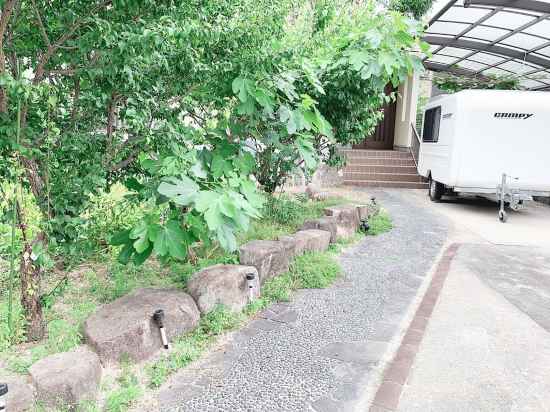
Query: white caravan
x,y
493,143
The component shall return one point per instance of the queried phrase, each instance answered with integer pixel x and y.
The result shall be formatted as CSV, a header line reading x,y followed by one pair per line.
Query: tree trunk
x,y
30,274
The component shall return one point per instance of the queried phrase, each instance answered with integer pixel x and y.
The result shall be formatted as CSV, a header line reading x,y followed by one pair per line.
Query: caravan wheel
x,y
435,190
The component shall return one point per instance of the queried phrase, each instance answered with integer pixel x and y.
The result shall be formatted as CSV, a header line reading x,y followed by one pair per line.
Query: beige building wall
x,y
406,112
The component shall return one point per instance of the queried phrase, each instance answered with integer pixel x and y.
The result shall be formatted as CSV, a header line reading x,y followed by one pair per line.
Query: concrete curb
x,y
397,372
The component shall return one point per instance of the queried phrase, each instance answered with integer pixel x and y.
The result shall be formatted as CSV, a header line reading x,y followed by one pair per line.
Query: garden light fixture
x,y
158,317
250,283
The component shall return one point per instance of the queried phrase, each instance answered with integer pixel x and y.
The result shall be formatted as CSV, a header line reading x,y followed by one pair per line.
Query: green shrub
x,y
291,212
415,8
107,213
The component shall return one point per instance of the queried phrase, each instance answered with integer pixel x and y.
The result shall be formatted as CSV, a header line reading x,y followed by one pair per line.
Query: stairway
x,y
381,168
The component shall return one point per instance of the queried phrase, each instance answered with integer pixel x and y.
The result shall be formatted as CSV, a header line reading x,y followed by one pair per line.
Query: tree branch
x,y
9,6
5,17
41,25
76,98
122,164
40,68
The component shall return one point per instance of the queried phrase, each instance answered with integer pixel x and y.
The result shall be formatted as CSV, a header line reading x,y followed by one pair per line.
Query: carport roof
x,y
493,37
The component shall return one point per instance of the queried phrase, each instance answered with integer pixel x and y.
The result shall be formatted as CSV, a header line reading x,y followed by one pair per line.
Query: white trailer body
x,y
473,137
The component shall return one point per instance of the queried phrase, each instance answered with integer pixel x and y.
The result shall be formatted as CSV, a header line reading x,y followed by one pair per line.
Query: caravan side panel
x,y
436,157
503,132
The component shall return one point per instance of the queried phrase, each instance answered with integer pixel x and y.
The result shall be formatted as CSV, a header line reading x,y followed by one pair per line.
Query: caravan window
x,y
430,133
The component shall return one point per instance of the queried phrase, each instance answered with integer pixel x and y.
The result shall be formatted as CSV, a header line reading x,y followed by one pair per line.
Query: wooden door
x,y
382,138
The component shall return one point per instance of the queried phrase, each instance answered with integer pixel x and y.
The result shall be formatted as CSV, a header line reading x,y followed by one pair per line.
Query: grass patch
x,y
315,270
291,212
380,223
129,391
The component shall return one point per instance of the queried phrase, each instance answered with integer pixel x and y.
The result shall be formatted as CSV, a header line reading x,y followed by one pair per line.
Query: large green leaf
x,y
213,217
181,191
226,237
242,88
220,166
206,199
227,206
125,254
172,240
120,238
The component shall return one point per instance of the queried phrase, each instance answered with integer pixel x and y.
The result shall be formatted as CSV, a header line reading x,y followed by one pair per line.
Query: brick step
x,y
376,154
380,169
379,183
380,162
384,177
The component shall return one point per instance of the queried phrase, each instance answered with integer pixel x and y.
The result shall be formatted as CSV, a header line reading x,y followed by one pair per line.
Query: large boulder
x,y
269,257
20,395
347,220
313,240
327,223
66,379
126,326
223,285
309,240
289,245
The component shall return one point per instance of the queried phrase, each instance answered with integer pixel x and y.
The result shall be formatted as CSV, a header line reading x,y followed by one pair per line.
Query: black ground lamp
x,y
158,317
250,283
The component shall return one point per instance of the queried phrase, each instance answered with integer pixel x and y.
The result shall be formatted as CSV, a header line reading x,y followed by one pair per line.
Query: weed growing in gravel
x,y
315,270
279,288
380,223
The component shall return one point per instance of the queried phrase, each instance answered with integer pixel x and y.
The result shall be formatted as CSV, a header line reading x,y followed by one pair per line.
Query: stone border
x,y
68,378
398,371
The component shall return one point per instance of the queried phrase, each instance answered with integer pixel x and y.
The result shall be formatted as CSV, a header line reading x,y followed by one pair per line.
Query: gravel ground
x,y
320,351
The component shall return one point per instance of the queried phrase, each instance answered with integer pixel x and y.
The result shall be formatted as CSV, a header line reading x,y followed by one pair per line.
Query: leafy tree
x,y
414,8
326,88
100,82
451,83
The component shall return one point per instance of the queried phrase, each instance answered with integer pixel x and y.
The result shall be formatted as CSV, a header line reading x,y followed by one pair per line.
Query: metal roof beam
x,y
542,46
484,47
531,5
438,67
442,12
467,29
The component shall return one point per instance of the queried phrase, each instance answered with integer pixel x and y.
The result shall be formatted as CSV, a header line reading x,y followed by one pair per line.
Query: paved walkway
x,y
486,345
325,350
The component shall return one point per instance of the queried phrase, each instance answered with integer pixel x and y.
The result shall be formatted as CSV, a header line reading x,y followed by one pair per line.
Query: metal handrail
x,y
415,145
